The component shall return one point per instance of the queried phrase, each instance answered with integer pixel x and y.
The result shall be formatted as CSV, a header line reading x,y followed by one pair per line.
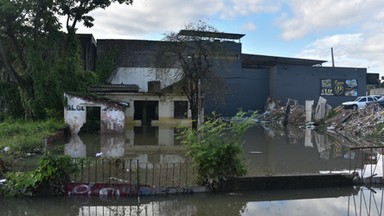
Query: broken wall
x,y
112,117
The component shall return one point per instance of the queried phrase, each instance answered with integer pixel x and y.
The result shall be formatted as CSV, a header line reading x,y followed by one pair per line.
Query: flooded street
x,y
317,202
267,152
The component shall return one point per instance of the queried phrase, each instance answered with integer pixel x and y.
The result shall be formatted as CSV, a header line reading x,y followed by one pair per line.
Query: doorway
x,y
92,124
146,111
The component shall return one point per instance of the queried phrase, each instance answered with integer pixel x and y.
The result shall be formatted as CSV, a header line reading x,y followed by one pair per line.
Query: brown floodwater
x,y
267,151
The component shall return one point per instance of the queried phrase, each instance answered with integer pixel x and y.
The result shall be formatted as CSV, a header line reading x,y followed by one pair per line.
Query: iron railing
x,y
367,164
120,170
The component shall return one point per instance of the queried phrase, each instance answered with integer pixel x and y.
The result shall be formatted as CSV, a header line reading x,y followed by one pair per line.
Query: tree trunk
x,y
194,113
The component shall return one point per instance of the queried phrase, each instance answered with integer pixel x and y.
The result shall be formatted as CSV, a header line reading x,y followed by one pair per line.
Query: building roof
x,y
257,61
218,35
115,88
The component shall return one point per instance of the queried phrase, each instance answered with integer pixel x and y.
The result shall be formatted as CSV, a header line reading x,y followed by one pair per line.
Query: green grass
x,y
27,136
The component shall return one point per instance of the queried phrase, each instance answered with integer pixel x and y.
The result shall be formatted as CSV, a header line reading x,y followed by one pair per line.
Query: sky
x,y
289,28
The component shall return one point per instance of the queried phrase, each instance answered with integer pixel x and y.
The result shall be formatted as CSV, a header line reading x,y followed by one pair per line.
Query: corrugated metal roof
x,y
207,34
115,88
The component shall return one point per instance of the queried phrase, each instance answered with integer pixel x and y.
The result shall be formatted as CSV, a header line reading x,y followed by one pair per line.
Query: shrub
x,y
216,148
48,178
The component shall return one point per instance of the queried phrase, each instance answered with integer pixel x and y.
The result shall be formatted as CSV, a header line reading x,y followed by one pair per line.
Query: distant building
x,y
250,79
88,51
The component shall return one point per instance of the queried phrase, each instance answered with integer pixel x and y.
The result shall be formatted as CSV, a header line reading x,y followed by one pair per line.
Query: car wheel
x,y
354,107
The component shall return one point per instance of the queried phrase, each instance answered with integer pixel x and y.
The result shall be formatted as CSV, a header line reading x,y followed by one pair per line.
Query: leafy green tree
x,y
78,10
38,57
216,148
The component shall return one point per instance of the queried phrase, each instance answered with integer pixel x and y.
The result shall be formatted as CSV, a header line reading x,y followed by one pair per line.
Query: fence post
x,y
137,171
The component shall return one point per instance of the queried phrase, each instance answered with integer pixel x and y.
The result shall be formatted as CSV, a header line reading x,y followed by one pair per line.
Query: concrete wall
x,y
304,82
112,117
142,75
240,184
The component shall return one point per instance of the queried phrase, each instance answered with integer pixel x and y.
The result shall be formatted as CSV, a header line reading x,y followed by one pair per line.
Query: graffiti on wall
x,y
74,108
338,87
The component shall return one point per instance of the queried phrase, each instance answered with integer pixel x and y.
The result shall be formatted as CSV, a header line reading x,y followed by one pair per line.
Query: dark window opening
x,y
180,109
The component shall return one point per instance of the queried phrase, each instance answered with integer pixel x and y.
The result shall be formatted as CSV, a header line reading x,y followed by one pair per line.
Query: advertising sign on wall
x,y
338,87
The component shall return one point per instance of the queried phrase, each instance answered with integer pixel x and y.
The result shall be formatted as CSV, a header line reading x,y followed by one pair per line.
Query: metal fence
x,y
368,164
109,170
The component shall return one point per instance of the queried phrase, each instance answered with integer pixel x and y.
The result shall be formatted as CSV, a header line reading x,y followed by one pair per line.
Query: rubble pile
x,y
296,115
362,122
347,122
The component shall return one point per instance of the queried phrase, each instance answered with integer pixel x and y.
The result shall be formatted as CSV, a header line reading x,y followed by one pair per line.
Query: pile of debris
x,y
347,122
296,115
362,122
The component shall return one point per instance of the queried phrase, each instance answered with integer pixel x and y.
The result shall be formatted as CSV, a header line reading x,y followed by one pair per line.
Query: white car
x,y
360,102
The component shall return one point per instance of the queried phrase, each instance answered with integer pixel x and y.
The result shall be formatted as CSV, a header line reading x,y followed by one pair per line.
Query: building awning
x,y
115,88
207,34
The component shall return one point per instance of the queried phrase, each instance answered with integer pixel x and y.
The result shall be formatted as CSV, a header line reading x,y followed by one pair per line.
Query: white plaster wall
x,y
166,108
74,113
141,76
112,120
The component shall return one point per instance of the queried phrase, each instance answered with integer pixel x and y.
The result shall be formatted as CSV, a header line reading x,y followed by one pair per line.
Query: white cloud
x,y
316,16
344,49
354,27
250,26
246,7
146,17
350,50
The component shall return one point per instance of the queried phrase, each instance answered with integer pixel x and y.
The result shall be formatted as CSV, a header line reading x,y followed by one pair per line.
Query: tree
x,y
27,35
195,54
78,10
38,57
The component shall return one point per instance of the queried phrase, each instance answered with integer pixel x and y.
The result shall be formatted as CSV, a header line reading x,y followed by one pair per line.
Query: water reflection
x,y
147,144
329,201
268,151
292,150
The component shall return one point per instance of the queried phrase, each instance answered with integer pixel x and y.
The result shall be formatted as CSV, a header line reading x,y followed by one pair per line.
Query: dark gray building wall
x,y
245,89
88,51
303,82
141,53
130,53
